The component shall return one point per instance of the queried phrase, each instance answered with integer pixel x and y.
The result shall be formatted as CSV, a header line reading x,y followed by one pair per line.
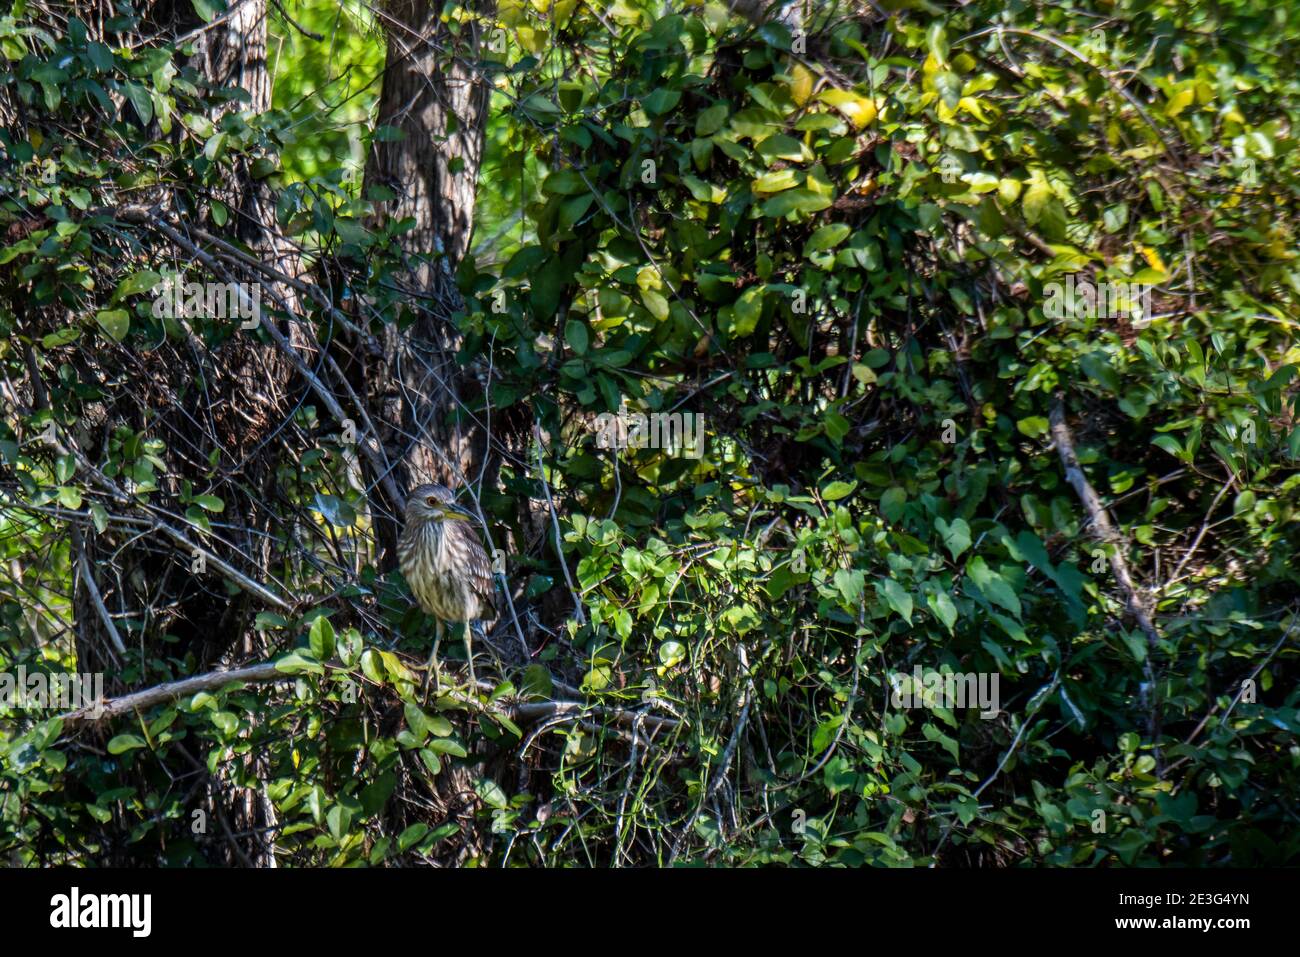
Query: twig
x,y
120,496
1046,693
1196,542
1258,668
844,722
295,24
95,597
373,448
1237,697
622,802
555,523
1106,75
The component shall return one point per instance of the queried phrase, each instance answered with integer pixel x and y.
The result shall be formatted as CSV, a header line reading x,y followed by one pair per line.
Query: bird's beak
x,y
456,514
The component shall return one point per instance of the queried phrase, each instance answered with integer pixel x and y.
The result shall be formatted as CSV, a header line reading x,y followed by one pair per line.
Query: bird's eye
x,y
431,500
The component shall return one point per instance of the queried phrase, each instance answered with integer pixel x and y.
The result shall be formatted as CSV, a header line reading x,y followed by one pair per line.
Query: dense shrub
x,y
836,242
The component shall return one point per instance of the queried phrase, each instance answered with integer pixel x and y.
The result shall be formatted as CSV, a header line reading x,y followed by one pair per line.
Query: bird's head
x,y
434,503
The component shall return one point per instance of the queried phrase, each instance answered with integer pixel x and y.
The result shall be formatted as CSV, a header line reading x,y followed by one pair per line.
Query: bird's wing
x,y
480,569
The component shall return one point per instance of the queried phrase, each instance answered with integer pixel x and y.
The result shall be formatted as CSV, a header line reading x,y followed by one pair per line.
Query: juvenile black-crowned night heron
x,y
445,565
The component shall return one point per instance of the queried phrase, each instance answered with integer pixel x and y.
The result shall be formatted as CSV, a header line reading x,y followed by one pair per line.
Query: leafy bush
x,y
835,243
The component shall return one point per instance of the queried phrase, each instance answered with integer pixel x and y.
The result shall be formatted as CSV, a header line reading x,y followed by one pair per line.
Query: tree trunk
x,y
433,96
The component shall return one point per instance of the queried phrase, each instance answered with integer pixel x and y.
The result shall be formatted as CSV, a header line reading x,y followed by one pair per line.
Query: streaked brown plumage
x,y
445,564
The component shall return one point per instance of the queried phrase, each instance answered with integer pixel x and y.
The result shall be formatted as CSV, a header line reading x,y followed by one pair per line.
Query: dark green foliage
x,y
842,258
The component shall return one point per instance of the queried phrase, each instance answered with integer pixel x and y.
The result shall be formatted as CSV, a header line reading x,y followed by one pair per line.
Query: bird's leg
x,y
469,655
431,669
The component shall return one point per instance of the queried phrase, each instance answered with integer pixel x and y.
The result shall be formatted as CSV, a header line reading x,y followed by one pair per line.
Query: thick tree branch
x,y
268,671
1101,523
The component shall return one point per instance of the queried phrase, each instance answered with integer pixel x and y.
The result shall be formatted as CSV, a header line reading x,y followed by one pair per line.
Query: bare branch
x,y
1101,524
269,671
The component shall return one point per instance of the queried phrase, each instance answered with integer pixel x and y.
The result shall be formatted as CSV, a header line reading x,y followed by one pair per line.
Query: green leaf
x,y
936,40
61,338
661,101
125,742
536,682
826,237
1169,444
1034,200
295,664
140,99
1180,101
942,605
1033,426
781,147
143,281
339,821
795,201
336,511
1096,367
564,183
896,596
491,794
207,9
836,425
578,336
838,490
412,836
524,262
850,582
748,309
101,57
892,503
709,121
948,85
956,536
321,639
656,303
671,652
992,585
776,181
931,732
116,323
448,746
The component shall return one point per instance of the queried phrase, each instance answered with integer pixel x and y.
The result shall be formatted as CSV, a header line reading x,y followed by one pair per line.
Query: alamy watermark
x,y
1080,298
21,690
74,909
174,298
936,689
681,433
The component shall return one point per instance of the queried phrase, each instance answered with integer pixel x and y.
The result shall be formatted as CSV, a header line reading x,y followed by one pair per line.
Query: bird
x,y
446,566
